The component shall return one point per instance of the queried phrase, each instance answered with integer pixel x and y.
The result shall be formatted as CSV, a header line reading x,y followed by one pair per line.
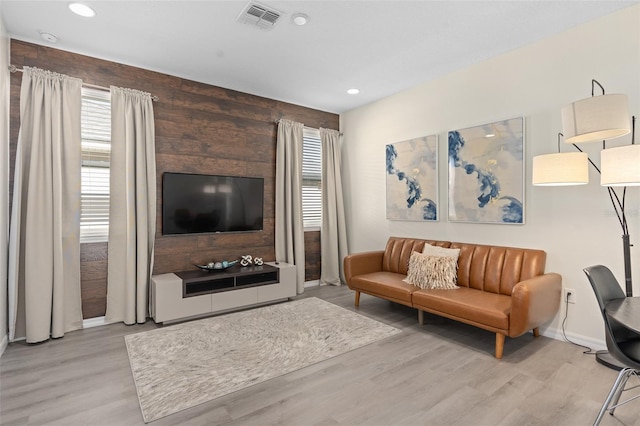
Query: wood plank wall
x,y
312,255
199,129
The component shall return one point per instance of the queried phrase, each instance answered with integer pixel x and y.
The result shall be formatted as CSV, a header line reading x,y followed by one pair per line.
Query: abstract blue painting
x,y
412,179
486,173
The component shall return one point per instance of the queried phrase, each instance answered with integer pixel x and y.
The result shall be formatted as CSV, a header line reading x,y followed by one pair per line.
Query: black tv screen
x,y
193,204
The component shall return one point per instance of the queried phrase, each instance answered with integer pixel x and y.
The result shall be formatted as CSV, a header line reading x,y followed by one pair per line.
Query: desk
x,y
626,311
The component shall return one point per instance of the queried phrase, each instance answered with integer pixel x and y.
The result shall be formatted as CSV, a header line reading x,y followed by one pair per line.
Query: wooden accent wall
x,y
199,129
312,255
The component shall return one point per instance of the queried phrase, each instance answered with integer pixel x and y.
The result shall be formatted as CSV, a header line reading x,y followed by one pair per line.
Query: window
x,y
311,179
96,150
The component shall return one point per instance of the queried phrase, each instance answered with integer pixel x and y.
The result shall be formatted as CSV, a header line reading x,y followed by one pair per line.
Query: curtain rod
x,y
14,69
306,127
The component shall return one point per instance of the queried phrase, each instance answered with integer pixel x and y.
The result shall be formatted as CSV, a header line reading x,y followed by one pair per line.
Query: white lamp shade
x,y
620,166
596,118
561,169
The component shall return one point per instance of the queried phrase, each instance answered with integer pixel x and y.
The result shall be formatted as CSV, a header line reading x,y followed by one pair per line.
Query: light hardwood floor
x,y
442,373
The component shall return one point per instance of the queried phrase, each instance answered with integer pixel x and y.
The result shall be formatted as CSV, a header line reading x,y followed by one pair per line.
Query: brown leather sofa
x,y
501,289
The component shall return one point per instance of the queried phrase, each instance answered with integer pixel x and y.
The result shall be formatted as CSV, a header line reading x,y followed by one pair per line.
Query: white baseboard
x,y
589,342
3,343
88,323
94,322
551,333
314,283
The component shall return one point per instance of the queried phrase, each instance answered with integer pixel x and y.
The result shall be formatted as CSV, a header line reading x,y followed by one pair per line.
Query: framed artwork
x,y
412,179
486,173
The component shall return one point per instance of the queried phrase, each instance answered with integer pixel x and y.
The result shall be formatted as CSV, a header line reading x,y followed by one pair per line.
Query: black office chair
x,y
623,344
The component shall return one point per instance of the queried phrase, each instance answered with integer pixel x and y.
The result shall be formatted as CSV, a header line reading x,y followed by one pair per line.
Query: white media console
x,y
183,295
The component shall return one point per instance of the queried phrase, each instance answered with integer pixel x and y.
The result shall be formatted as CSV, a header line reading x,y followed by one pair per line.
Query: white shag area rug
x,y
180,366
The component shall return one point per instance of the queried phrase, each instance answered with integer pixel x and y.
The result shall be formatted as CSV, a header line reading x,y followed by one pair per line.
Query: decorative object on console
x,y
246,260
590,120
486,173
412,179
258,261
218,266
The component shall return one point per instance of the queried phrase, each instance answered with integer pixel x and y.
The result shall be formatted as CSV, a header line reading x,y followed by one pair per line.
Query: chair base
x,y
611,403
604,358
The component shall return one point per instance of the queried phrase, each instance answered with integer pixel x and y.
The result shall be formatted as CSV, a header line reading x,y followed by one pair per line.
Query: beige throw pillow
x,y
432,272
417,273
440,251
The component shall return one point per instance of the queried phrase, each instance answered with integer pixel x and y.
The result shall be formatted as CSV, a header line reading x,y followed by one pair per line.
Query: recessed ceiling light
x,y
82,10
489,135
353,91
299,19
48,37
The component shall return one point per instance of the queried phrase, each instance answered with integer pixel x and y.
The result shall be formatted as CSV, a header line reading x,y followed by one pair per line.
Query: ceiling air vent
x,y
259,15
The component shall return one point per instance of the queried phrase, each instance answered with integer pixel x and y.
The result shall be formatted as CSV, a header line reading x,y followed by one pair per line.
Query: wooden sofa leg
x,y
536,332
420,317
357,299
499,345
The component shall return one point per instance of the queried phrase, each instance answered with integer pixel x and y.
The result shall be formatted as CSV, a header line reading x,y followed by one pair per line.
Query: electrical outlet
x,y
569,295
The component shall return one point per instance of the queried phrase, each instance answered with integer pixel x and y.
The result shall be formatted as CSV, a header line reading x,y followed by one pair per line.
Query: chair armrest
x,y
534,302
362,263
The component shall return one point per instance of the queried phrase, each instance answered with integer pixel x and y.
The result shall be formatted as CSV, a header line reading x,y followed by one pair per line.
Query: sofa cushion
x,y
474,305
385,284
398,250
432,271
497,269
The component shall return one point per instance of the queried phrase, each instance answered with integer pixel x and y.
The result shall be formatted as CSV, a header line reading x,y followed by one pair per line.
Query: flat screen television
x,y
193,203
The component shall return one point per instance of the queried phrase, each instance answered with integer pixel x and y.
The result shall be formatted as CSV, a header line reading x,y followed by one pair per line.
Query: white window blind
x,y
311,179
96,150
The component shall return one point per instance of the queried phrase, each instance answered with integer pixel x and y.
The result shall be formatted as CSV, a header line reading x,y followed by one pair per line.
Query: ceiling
x,y
379,47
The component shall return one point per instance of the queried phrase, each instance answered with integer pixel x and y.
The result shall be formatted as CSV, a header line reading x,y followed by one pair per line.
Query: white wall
x,y
4,180
575,225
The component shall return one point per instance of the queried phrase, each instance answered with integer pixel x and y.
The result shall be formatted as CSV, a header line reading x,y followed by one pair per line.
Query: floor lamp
x,y
597,118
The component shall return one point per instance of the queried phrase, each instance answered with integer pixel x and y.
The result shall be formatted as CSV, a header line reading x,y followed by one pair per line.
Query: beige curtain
x,y
289,228
44,242
132,210
333,234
